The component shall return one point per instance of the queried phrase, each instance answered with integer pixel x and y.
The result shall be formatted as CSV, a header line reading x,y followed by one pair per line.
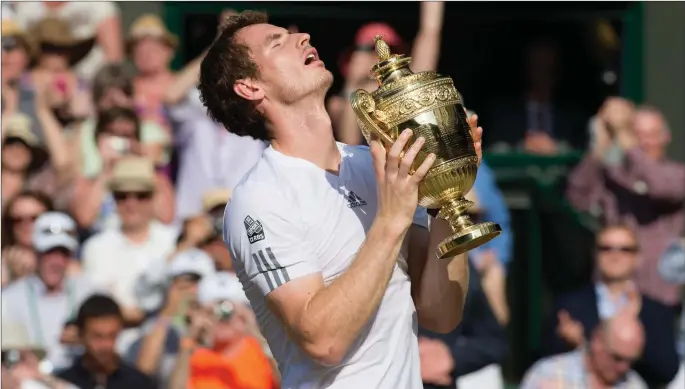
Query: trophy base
x,y
467,239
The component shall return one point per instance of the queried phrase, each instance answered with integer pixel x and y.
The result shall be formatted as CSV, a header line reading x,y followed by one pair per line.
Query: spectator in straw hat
x,y
21,361
116,257
29,164
58,51
17,49
151,48
356,63
97,21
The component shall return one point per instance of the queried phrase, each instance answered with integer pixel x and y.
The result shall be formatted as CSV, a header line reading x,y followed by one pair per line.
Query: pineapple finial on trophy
x,y
382,49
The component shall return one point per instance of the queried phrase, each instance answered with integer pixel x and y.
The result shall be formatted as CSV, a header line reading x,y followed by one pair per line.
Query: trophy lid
x,y
390,66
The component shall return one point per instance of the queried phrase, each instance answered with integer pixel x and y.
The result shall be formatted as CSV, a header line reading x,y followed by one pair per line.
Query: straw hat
x,y
133,174
10,29
55,33
18,126
16,337
215,198
150,26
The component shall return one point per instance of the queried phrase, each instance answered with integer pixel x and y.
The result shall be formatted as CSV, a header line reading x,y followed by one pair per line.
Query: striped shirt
x,y
568,371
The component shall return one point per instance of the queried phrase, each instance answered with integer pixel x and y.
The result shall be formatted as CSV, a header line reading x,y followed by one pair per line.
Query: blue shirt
x,y
494,209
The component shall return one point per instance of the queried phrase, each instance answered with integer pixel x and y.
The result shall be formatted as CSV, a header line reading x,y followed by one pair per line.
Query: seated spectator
x,y
23,366
155,352
577,312
606,362
643,189
46,301
98,24
113,87
67,95
29,164
116,257
151,48
471,354
118,137
205,148
220,349
536,121
17,49
18,220
99,323
672,268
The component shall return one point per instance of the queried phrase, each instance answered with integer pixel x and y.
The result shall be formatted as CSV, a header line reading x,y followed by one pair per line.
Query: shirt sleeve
x,y
421,217
267,240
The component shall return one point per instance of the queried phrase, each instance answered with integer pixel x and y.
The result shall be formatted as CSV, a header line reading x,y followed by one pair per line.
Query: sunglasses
x,y
22,219
620,249
119,196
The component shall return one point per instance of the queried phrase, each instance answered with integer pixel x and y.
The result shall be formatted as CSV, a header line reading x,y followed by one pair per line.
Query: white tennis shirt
x,y
288,218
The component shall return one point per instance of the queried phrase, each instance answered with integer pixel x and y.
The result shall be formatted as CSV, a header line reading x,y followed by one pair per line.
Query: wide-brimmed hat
x,y
11,30
54,33
18,126
150,26
133,174
15,337
364,39
215,198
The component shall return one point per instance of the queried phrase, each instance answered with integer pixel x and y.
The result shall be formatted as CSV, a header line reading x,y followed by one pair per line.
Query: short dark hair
x,y
97,306
226,62
112,76
105,118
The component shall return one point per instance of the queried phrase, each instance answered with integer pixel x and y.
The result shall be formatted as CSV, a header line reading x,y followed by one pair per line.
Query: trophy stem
x,y
467,235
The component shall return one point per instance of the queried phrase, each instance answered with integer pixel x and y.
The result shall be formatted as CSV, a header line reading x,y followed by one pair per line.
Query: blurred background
x,y
114,182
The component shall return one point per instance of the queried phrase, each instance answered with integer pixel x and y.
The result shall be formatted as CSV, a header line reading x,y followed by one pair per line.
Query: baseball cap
x,y
54,229
365,38
191,261
219,287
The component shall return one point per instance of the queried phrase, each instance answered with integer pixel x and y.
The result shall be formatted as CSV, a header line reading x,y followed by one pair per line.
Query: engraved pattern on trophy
x,y
430,105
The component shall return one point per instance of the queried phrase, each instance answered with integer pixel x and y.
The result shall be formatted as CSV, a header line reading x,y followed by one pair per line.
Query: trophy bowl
x,y
429,105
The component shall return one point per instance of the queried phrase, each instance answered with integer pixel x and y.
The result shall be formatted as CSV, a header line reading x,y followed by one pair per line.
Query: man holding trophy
x,y
328,240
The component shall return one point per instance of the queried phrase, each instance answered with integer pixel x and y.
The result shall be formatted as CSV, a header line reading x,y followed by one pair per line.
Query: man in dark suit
x,y
578,312
477,342
536,120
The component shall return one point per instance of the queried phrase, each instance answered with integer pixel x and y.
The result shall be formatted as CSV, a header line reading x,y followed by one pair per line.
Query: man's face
x,y
15,60
228,327
650,133
52,266
134,207
612,359
99,338
114,97
617,254
289,67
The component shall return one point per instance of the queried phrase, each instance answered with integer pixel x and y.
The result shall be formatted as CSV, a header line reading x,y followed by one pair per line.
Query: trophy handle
x,y
363,106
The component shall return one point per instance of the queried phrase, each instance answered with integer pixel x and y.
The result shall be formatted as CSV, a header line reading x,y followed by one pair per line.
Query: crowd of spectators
x,y
114,181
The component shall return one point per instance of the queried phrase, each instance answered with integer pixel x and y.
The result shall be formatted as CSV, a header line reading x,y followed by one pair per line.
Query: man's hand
x,y
436,362
619,115
200,325
174,300
398,189
570,330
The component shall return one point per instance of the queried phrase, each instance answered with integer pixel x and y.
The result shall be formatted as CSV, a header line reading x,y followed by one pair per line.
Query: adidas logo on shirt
x,y
255,231
354,200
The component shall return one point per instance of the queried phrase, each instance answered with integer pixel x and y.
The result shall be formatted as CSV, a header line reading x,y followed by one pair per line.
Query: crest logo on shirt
x,y
354,200
255,231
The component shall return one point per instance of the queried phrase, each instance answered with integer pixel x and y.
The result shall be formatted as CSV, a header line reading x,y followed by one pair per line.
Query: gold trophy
x,y
429,105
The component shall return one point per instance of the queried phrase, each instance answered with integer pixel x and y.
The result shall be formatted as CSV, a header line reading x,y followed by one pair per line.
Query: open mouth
x,y
311,57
